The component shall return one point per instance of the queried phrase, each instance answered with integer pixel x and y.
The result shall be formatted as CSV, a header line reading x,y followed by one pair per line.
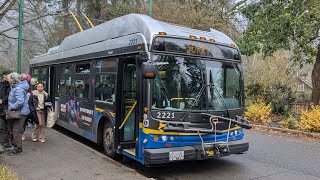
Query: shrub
x,y
310,120
7,173
290,123
258,112
278,96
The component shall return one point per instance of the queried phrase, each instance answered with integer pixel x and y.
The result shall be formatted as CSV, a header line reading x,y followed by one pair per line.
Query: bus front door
x,y
128,106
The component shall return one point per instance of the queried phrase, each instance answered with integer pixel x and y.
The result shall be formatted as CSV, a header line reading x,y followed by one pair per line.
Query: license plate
x,y
176,155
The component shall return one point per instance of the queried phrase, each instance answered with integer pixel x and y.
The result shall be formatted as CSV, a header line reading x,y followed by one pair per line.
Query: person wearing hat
x,y
4,94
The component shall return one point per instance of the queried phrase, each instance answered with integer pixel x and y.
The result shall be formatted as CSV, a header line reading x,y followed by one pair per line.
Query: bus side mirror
x,y
149,70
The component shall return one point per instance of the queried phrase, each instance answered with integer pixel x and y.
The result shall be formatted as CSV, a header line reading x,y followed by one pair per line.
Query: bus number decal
x,y
166,115
133,42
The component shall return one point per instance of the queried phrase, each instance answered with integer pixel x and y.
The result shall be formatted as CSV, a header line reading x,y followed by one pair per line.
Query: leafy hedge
x,y
7,174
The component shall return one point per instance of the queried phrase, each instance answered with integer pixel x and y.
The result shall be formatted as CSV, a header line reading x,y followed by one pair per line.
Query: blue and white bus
x,y
152,91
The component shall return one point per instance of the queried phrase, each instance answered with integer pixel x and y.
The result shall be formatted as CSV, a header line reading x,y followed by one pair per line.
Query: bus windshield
x,y
187,83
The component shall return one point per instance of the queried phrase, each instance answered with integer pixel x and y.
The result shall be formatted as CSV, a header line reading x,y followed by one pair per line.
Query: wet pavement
x,y
63,158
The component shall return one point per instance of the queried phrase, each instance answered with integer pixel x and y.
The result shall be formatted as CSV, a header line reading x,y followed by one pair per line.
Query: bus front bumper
x,y
187,153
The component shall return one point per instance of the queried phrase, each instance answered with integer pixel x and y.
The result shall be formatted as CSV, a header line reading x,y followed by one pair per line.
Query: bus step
x,y
130,151
128,145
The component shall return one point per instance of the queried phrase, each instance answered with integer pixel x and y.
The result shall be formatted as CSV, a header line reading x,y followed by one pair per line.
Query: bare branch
x,y
3,13
39,17
234,9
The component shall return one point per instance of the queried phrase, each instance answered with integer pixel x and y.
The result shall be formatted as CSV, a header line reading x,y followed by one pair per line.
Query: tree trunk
x,y
315,98
103,10
65,9
78,7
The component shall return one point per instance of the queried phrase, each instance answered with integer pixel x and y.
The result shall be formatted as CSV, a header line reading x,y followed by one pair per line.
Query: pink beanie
x,y
25,76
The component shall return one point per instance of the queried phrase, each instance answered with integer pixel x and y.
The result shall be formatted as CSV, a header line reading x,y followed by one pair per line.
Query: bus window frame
x,y
89,95
95,73
239,60
60,75
37,76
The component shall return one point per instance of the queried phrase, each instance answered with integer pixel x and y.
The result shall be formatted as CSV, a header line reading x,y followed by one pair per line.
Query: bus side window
x,y
65,81
43,77
34,77
105,82
82,80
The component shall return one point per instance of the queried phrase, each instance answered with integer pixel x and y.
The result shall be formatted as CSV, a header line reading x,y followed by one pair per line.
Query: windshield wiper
x,y
219,96
198,96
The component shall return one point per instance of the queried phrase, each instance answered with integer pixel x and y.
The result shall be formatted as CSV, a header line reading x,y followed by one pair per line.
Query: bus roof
x,y
131,24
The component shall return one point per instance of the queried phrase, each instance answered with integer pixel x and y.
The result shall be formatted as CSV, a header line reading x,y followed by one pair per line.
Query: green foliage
x,y
302,96
276,24
290,123
278,96
2,68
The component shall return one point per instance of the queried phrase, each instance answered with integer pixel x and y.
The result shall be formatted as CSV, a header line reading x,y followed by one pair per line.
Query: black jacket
x,y
4,94
33,104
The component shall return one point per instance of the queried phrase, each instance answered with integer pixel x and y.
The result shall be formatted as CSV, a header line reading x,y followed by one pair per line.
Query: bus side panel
x,y
100,114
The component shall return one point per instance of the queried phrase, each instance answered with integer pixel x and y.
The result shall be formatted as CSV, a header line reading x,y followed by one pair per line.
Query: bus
x,y
153,91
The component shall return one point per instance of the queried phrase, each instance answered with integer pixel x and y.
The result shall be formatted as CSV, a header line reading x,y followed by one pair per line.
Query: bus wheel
x,y
108,140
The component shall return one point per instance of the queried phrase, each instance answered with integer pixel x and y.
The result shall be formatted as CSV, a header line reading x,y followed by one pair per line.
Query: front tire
x,y
108,140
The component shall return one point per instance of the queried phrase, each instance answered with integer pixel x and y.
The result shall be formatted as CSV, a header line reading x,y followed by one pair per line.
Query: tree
x,y
5,7
287,24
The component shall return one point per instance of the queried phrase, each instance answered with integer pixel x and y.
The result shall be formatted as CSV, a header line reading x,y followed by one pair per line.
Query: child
x,y
40,99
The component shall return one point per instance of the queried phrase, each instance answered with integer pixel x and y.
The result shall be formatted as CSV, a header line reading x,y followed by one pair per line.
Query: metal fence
x,y
296,108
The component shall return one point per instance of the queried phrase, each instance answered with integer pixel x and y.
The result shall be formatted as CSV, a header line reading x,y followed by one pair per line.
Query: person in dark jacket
x,y
4,94
17,101
40,100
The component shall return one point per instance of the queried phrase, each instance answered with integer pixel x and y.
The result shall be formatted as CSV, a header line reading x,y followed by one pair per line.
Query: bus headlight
x,y
145,141
231,133
235,132
164,138
171,138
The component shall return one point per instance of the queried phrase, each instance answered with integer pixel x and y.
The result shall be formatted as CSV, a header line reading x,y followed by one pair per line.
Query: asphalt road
x,y
270,156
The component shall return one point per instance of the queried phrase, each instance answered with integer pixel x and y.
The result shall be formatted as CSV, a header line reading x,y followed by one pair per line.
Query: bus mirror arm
x,y
149,70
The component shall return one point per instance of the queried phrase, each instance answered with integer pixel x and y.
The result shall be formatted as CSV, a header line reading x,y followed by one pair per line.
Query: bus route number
x,y
166,115
133,42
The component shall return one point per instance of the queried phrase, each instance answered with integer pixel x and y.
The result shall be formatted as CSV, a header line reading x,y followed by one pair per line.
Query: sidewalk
x,y
62,158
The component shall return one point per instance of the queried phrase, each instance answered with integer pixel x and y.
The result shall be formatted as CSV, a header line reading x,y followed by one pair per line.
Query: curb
x,y
315,135
101,155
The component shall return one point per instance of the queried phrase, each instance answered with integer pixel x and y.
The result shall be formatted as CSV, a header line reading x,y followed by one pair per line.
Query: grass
x,y
7,174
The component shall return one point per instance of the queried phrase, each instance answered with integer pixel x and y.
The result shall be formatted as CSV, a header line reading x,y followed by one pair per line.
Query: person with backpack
x,y
17,102
4,95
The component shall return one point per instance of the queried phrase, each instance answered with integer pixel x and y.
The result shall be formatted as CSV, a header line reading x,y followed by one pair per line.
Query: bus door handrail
x,y
128,115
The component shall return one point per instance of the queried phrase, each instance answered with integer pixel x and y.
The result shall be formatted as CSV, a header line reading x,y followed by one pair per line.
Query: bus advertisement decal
x,y
74,114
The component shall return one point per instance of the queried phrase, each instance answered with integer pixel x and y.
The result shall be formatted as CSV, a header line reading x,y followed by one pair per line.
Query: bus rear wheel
x,y
108,140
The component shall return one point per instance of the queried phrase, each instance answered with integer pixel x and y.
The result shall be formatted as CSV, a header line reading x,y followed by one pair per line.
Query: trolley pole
x,y
150,8
20,35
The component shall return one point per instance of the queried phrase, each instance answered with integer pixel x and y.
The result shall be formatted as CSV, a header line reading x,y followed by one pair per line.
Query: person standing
x,y
4,94
40,100
17,101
